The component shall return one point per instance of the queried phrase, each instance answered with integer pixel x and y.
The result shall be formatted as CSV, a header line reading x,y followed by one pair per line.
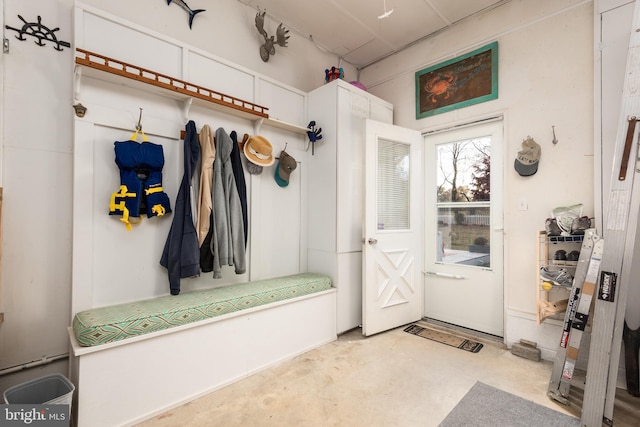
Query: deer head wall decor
x,y
268,48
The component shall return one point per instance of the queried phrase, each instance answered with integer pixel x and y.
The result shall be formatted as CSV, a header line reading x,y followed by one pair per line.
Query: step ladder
x,y
576,317
619,232
610,295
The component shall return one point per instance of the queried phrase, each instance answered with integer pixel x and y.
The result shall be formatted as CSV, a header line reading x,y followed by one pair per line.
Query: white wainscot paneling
x,y
106,37
37,226
276,221
119,265
220,77
113,105
285,104
126,263
112,265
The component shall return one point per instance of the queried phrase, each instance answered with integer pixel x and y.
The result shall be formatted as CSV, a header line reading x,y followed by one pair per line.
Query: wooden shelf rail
x,y
114,66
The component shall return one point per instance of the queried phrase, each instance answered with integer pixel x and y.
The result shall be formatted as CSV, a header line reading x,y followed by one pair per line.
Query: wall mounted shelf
x,y
101,67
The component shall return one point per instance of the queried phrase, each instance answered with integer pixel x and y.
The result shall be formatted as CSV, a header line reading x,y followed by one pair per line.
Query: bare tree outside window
x,y
464,194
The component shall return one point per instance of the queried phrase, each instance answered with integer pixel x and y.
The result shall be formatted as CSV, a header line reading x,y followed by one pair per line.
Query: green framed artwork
x,y
459,82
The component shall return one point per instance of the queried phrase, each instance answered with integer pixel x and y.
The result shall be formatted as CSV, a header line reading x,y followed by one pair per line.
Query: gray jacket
x,y
227,243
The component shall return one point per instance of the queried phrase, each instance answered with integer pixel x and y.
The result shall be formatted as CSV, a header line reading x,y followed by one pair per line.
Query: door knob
x,y
372,241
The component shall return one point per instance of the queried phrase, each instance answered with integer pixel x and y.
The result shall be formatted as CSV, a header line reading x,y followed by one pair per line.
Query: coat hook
x,y
139,125
283,150
555,140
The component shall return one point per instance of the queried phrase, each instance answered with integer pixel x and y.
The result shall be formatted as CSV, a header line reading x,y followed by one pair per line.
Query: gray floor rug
x,y
484,405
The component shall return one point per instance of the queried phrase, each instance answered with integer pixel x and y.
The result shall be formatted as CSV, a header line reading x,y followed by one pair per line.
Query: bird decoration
x,y
268,48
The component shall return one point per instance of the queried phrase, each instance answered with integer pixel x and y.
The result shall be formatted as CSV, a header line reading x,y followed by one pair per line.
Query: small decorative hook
x,y
139,125
555,140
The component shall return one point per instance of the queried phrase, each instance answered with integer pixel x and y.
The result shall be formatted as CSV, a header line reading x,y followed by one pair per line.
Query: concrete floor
x,y
390,379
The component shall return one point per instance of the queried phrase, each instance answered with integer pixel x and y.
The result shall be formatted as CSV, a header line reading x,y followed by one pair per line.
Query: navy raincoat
x,y
181,255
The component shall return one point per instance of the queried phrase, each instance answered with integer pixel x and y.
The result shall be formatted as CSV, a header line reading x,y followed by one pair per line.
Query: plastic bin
x,y
54,389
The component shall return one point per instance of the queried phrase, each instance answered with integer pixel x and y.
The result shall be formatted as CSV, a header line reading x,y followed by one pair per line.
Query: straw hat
x,y
259,151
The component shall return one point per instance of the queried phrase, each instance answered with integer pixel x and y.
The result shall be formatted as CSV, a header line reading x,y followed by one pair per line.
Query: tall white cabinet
x,y
335,190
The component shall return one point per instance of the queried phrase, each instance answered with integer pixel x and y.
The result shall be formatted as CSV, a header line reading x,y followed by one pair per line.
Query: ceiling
x,y
352,30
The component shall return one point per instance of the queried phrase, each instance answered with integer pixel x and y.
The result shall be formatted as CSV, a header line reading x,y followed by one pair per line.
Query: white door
x,y
464,227
392,232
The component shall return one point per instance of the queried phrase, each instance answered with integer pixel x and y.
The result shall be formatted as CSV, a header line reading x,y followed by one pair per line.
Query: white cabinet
x,y
335,190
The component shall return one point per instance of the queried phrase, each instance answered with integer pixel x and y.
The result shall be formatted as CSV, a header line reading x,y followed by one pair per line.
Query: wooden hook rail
x,y
114,66
183,133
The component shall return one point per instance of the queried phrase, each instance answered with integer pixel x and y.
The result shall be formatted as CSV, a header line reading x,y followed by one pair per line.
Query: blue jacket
x,y
181,255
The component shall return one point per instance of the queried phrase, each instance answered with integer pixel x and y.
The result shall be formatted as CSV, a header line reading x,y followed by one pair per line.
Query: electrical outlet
x,y
523,205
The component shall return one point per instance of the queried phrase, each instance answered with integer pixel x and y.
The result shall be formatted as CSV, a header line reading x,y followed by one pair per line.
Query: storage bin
x,y
53,389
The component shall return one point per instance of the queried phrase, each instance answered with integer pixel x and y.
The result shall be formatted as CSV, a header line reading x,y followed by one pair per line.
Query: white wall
x,y
545,79
36,177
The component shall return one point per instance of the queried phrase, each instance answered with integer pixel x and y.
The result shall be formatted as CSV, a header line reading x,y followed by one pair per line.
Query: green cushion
x,y
108,324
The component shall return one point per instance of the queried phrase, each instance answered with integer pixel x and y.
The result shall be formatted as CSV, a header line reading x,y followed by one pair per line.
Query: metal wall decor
x,y
268,48
80,109
313,134
41,32
192,13
469,79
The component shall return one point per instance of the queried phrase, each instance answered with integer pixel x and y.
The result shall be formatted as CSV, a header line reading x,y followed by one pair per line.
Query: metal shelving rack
x,y
551,304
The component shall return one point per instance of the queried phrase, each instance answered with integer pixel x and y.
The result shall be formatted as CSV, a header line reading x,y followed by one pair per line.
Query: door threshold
x,y
465,332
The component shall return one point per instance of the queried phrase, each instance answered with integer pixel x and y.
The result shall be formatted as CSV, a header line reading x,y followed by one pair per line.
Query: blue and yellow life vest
x,y
140,189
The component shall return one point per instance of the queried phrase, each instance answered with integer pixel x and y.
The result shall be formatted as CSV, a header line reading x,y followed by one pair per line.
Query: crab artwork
x,y
441,84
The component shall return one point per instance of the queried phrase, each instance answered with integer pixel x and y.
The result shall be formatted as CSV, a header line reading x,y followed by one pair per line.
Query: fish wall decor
x,y
192,13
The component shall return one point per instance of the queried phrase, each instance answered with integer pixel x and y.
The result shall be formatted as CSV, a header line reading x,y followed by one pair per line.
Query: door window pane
x,y
393,185
463,202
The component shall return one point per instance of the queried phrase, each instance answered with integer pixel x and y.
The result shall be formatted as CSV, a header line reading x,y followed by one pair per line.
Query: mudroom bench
x,y
133,361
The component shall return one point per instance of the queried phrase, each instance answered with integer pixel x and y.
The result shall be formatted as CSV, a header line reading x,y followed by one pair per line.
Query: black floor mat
x,y
445,338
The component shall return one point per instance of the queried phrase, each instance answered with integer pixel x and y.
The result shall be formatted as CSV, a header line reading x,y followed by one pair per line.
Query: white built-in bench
x,y
133,361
